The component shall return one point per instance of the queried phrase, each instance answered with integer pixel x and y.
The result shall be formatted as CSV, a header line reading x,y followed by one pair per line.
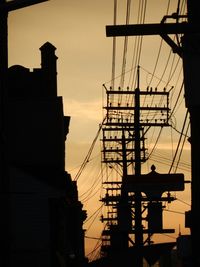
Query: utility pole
x,y
123,139
138,195
191,59
190,53
5,8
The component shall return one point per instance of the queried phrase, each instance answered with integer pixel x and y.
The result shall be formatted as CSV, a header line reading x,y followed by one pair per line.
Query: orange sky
x,y
77,29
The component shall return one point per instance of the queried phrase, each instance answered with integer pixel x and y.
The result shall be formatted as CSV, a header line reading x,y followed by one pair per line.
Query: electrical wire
x,y
138,44
174,211
155,144
184,123
94,213
183,202
169,70
97,178
184,139
159,50
114,47
97,246
92,237
86,160
125,45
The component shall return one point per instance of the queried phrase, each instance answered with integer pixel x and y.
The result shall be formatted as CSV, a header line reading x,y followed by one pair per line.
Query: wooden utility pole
x,y
191,59
190,52
138,195
5,237
124,147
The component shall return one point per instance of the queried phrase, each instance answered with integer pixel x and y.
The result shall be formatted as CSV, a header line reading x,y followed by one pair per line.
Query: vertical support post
x,y
124,155
138,212
191,58
3,71
124,217
4,182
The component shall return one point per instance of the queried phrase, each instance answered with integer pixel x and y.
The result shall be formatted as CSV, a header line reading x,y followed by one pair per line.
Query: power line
x,y
114,47
184,139
91,237
184,123
174,211
125,45
86,160
183,202
95,212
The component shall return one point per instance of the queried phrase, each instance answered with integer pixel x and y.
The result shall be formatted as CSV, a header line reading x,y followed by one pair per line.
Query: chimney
x,y
49,68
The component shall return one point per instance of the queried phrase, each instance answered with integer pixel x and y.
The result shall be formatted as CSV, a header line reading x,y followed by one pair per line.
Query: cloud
x,y
84,110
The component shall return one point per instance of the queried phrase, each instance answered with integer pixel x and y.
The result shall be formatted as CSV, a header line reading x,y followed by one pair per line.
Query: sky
x,y
77,29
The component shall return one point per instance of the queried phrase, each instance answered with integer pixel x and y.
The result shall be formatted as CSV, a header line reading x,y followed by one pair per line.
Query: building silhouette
x,y
42,215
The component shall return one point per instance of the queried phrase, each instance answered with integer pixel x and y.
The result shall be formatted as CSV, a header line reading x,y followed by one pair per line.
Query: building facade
x,y
42,216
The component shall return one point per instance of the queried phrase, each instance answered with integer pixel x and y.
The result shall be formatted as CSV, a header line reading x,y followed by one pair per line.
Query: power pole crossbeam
x,y
151,29
162,29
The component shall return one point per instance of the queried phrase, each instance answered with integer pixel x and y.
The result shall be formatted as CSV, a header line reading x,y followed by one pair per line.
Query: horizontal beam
x,y
164,122
17,4
133,108
119,127
150,29
109,150
146,93
119,140
145,231
121,161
